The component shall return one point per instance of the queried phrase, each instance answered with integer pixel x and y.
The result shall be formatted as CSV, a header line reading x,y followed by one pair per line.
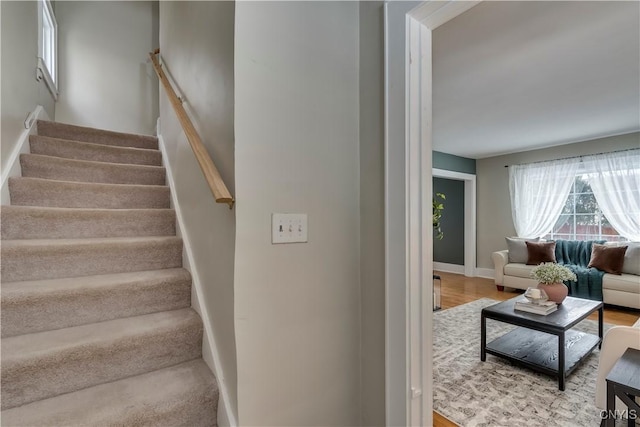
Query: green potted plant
x,y
550,277
438,207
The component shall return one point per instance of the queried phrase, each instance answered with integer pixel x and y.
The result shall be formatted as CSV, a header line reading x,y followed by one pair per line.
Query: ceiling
x,y
517,76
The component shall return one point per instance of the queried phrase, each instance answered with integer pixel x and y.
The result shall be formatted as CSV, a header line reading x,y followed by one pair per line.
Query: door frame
x,y
469,216
408,194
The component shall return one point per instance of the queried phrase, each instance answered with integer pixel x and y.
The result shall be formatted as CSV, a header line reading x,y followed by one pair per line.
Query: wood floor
x,y
457,289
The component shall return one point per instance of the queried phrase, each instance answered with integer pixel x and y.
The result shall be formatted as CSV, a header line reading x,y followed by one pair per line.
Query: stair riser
x,y
40,376
47,167
44,310
20,222
51,262
26,192
87,151
97,136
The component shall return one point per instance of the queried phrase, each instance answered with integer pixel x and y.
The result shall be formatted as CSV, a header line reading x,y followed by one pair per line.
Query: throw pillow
x,y
539,252
632,259
609,259
518,248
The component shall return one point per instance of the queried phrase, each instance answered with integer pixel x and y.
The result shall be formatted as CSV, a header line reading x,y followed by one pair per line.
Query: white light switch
x,y
288,228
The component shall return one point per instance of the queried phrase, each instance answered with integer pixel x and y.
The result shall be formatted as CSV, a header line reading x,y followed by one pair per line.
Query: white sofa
x,y
616,341
622,290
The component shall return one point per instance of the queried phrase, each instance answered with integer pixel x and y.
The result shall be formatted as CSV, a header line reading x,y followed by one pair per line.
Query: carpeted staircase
x,y
97,325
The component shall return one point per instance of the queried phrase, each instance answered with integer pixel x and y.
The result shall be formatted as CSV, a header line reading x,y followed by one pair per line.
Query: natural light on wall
x,y
47,47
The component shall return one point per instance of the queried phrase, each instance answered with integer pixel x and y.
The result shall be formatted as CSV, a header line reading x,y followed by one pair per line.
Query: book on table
x,y
546,307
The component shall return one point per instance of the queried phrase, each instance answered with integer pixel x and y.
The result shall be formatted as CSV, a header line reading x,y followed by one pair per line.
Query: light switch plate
x,y
288,228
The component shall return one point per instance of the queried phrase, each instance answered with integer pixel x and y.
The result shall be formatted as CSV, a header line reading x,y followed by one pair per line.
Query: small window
x,y
48,46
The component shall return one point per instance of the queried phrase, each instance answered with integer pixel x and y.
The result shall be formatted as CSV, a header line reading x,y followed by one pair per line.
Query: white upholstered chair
x,y
616,341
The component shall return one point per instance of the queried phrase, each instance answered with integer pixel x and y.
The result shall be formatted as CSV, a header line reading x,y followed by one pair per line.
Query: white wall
x,y
197,45
297,305
494,203
105,78
21,93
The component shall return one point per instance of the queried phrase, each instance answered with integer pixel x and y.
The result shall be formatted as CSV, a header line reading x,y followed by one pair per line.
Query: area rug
x,y
496,392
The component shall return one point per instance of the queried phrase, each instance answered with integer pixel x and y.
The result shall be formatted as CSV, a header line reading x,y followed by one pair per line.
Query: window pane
x,y
586,203
582,184
607,228
564,225
614,238
587,224
568,206
48,40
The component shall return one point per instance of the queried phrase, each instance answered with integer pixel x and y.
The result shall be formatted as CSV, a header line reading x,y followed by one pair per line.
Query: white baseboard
x,y
210,354
22,146
448,268
487,273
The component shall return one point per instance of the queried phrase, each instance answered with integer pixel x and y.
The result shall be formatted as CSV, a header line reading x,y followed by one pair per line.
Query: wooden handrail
x,y
211,174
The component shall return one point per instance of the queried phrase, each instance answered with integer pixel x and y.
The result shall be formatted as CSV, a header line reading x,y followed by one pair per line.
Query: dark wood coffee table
x,y
543,343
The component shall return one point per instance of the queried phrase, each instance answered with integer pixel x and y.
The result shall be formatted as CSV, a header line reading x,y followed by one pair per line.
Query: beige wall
x,y
197,43
105,78
372,211
298,305
20,92
494,204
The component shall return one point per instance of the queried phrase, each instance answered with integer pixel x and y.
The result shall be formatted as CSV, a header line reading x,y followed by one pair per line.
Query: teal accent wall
x,y
450,249
453,163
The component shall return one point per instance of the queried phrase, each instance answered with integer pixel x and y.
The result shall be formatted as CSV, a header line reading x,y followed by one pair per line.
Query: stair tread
x,y
58,168
68,194
83,184
89,134
70,149
160,397
78,211
43,305
11,290
63,160
37,259
92,241
38,222
41,365
24,347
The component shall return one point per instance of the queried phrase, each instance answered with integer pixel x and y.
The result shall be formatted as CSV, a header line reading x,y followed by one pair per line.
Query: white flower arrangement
x,y
550,272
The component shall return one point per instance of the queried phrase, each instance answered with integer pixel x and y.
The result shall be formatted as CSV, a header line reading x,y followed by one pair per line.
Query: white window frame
x,y
47,67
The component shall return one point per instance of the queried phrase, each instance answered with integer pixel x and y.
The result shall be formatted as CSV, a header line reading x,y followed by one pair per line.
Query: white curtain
x,y
615,181
538,194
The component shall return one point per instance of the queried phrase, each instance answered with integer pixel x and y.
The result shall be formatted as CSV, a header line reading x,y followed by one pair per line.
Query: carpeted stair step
x,y
78,150
65,194
181,395
57,258
45,305
49,167
33,222
46,364
98,136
